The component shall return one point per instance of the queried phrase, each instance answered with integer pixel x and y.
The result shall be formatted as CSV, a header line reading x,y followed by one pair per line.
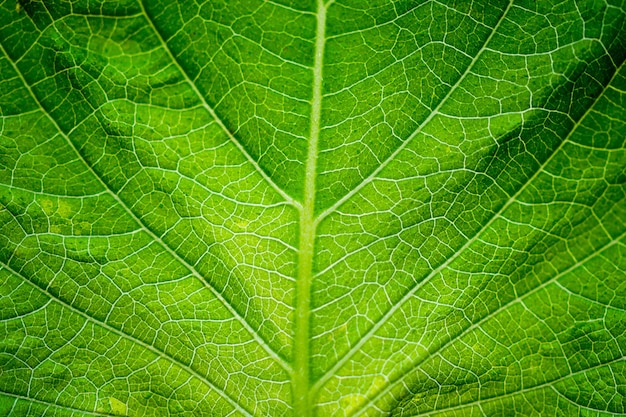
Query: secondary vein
x,y
254,333
211,111
419,128
127,336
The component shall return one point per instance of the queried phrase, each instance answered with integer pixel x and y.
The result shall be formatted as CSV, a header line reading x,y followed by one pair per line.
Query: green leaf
x,y
291,208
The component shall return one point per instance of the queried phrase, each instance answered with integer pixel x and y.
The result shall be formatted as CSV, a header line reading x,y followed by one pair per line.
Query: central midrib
x,y
300,378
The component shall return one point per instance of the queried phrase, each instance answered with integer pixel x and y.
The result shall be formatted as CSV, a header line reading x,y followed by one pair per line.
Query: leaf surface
x,y
299,208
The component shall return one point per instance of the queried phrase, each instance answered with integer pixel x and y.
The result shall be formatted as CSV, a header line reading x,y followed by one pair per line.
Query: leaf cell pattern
x,y
312,208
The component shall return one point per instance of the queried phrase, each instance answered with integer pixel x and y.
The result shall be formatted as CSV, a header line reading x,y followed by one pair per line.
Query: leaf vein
x,y
454,256
158,352
432,114
254,333
212,112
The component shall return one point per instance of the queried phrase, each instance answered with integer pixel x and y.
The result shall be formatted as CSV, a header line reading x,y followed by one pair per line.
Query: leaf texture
x,y
301,208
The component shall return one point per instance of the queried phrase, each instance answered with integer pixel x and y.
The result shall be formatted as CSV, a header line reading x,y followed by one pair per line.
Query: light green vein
x,y
18,397
306,247
212,112
451,259
324,378
417,131
482,321
253,333
548,384
159,353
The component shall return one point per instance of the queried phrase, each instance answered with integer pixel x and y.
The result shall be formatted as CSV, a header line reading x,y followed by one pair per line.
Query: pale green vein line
x,y
59,406
286,7
589,299
454,256
267,51
489,316
548,384
605,413
417,131
59,196
306,246
22,316
212,112
255,335
158,352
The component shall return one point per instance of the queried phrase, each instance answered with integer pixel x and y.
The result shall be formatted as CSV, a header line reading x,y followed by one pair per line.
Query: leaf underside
x,y
290,208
